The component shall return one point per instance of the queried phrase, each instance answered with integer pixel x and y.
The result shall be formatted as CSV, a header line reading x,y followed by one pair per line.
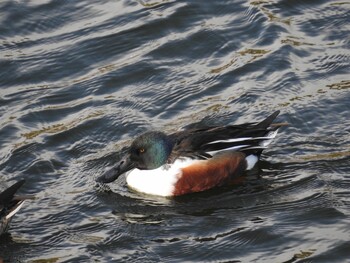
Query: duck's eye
x,y
141,150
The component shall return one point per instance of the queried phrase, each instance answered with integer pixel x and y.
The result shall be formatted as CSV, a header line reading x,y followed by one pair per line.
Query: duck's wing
x,y
205,142
9,203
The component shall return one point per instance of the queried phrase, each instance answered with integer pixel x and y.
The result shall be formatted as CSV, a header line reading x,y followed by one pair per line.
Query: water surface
x,y
80,79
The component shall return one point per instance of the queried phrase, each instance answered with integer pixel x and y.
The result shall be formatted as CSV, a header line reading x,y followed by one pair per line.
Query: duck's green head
x,y
148,151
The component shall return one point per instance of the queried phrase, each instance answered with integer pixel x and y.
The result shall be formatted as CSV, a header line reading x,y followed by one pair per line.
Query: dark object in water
x,y
10,204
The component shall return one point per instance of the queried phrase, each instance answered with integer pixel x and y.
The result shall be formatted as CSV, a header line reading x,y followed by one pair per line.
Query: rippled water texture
x,y
80,79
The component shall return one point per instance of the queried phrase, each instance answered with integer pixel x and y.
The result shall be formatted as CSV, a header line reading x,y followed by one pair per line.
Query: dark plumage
x,y
198,142
9,205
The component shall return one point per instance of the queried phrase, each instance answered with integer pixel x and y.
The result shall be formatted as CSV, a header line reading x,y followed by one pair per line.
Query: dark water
x,y
79,79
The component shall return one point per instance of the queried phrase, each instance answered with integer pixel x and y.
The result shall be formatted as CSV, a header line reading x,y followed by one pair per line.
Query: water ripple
x,y
80,79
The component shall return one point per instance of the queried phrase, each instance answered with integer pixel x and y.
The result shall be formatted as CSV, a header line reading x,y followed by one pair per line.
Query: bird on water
x,y
10,203
193,160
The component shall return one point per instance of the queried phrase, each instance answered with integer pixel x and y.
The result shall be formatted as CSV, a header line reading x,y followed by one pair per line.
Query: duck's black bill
x,y
111,175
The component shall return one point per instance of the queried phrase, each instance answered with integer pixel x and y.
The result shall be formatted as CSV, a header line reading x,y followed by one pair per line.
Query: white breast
x,y
160,181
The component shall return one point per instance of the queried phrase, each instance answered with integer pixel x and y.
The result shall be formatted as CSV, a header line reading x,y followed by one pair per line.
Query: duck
x,y
10,204
192,160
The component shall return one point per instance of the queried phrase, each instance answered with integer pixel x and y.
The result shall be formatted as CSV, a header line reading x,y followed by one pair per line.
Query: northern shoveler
x,y
193,160
9,205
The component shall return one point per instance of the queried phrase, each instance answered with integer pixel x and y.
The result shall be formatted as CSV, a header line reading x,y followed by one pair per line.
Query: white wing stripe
x,y
9,215
270,136
227,149
246,147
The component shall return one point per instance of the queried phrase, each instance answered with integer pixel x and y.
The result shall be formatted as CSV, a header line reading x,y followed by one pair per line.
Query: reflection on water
x,y
80,79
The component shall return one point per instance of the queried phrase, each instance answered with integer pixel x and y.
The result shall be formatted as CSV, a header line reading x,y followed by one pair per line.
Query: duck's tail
x,y
253,152
265,124
258,144
9,202
7,195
